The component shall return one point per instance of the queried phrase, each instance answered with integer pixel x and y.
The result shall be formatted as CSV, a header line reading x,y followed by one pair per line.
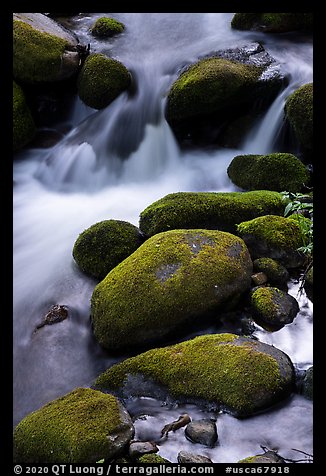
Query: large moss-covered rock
x,y
211,85
101,80
102,246
299,112
279,171
173,277
23,123
105,27
273,308
238,374
272,22
209,210
43,50
274,237
83,426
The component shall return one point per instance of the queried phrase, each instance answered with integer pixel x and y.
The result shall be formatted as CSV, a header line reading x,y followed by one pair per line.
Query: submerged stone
x,y
236,374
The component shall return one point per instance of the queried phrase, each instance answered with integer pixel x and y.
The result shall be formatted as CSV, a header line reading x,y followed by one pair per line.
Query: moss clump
x,y
279,171
75,428
272,22
236,373
150,458
299,112
173,277
208,210
209,86
101,80
23,123
102,246
105,27
274,237
273,307
267,457
37,56
275,272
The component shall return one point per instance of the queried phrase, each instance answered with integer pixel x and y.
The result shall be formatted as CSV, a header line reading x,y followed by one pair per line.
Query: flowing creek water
x,y
111,165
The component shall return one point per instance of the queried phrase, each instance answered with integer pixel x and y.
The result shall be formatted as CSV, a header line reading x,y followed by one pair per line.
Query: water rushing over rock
x,y
112,165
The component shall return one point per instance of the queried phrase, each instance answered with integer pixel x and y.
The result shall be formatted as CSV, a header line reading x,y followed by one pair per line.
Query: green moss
x,y
273,307
151,458
272,22
275,272
208,210
23,123
174,276
279,171
209,86
37,55
275,230
72,429
299,112
106,27
99,248
238,373
101,80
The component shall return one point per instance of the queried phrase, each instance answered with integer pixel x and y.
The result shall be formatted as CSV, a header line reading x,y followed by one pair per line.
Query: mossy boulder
x,y
237,374
101,80
102,246
174,277
208,210
309,283
277,274
299,112
209,86
273,308
83,426
43,51
105,27
23,124
278,171
269,457
275,237
272,22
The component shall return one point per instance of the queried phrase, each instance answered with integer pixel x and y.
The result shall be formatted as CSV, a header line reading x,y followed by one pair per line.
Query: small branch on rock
x,y
183,420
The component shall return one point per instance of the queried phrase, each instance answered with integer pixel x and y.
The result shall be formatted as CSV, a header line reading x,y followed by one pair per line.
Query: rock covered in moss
x,y
83,426
238,374
273,308
43,51
307,384
309,283
299,112
278,171
277,274
267,457
152,459
102,246
173,277
210,85
208,210
105,27
274,237
272,22
101,80
23,123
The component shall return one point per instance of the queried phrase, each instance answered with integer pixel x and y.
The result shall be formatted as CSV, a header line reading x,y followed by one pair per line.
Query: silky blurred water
x,y
111,165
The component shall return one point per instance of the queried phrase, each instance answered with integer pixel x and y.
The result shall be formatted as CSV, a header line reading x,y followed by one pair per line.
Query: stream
x,y
112,164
